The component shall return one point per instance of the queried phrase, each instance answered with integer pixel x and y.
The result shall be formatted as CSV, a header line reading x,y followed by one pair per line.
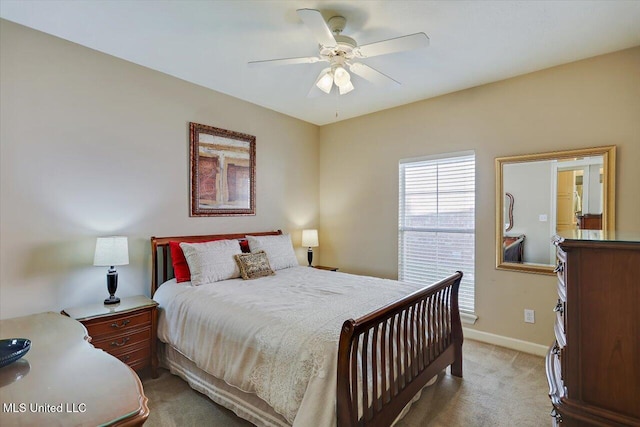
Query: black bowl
x,y
13,349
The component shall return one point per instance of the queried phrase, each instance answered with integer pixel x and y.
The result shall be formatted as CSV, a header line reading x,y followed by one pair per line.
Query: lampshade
x,y
325,82
346,88
341,77
112,250
310,238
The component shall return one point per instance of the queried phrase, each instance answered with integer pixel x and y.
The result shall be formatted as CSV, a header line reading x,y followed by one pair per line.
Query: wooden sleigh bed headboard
x,y
161,268
385,357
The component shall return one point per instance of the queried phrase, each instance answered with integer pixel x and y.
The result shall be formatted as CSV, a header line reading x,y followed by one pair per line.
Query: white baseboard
x,y
512,343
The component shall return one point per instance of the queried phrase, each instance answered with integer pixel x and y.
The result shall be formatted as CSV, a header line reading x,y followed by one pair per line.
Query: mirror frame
x,y
608,154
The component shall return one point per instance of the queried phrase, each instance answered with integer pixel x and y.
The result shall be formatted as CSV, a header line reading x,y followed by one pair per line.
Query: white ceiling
x,y
210,42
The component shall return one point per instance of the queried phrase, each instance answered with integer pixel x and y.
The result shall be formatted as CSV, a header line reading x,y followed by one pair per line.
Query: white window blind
x,y
437,221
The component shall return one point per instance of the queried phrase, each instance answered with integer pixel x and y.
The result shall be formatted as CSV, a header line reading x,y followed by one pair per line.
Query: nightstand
x,y
126,330
323,267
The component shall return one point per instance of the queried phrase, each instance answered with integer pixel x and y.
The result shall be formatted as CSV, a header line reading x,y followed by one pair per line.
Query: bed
x,y
513,248
306,346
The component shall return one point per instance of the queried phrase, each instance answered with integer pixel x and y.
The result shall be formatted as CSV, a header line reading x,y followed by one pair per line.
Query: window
x,y
437,222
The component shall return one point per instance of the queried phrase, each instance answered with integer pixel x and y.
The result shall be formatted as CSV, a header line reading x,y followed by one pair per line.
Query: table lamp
x,y
111,251
310,240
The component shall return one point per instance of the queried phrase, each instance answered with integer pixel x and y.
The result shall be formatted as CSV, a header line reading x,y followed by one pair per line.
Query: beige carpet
x,y
501,387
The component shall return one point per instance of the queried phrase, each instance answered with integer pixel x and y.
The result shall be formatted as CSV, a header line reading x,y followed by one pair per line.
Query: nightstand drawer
x,y
136,357
120,341
115,325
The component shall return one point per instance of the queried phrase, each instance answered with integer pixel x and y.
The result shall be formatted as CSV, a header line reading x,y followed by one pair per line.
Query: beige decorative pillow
x,y
278,248
211,261
254,265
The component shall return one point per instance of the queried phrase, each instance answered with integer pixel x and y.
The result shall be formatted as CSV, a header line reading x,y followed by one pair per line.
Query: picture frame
x,y
222,171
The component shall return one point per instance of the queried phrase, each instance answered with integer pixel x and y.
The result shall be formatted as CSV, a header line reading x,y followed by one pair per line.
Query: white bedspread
x,y
275,336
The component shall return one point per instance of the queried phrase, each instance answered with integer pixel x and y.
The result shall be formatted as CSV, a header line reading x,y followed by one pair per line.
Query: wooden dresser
x,y
590,222
593,368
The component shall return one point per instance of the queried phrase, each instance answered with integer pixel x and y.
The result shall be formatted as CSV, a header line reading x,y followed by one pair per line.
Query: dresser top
x,y
599,236
126,304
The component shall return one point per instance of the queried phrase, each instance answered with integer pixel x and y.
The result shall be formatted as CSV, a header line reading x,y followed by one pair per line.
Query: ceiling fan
x,y
342,52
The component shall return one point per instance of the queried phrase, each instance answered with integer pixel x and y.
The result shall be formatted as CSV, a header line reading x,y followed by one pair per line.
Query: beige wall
x,y
589,103
92,145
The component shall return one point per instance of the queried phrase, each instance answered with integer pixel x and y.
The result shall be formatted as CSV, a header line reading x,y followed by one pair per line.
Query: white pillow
x,y
278,248
212,261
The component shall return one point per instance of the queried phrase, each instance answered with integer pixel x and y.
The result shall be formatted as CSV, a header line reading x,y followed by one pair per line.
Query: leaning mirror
x,y
558,191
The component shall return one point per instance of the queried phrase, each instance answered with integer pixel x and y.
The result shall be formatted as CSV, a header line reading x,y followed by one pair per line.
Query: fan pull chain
x,y
337,102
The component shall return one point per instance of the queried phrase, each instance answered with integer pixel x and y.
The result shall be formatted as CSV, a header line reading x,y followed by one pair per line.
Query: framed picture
x,y
223,170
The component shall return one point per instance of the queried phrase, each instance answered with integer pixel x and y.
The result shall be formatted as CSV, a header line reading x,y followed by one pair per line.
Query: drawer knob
x,y
559,308
559,268
122,324
125,358
121,343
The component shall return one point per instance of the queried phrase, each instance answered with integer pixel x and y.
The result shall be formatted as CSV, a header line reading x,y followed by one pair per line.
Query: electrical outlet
x,y
529,316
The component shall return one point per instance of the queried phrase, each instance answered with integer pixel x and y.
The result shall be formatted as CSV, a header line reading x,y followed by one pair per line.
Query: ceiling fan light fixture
x,y
344,89
341,77
341,51
325,82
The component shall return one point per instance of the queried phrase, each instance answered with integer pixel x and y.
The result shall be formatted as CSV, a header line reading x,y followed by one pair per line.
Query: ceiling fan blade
x,y
286,61
399,44
371,74
314,20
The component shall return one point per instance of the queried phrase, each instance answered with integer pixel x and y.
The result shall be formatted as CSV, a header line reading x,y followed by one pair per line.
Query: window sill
x,y
468,318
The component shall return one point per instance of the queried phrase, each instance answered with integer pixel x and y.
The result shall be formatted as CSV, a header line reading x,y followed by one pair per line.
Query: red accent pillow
x,y
180,266
244,245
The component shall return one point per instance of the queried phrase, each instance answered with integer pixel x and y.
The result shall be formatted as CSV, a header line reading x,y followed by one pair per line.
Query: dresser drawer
x,y
135,357
116,325
562,279
554,372
123,340
560,324
560,336
562,291
557,362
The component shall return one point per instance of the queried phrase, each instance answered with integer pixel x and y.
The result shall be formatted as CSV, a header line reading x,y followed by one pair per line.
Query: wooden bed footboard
x,y
387,356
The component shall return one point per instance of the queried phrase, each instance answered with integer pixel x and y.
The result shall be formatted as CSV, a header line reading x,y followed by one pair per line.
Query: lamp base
x,y
112,285
112,300
310,256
